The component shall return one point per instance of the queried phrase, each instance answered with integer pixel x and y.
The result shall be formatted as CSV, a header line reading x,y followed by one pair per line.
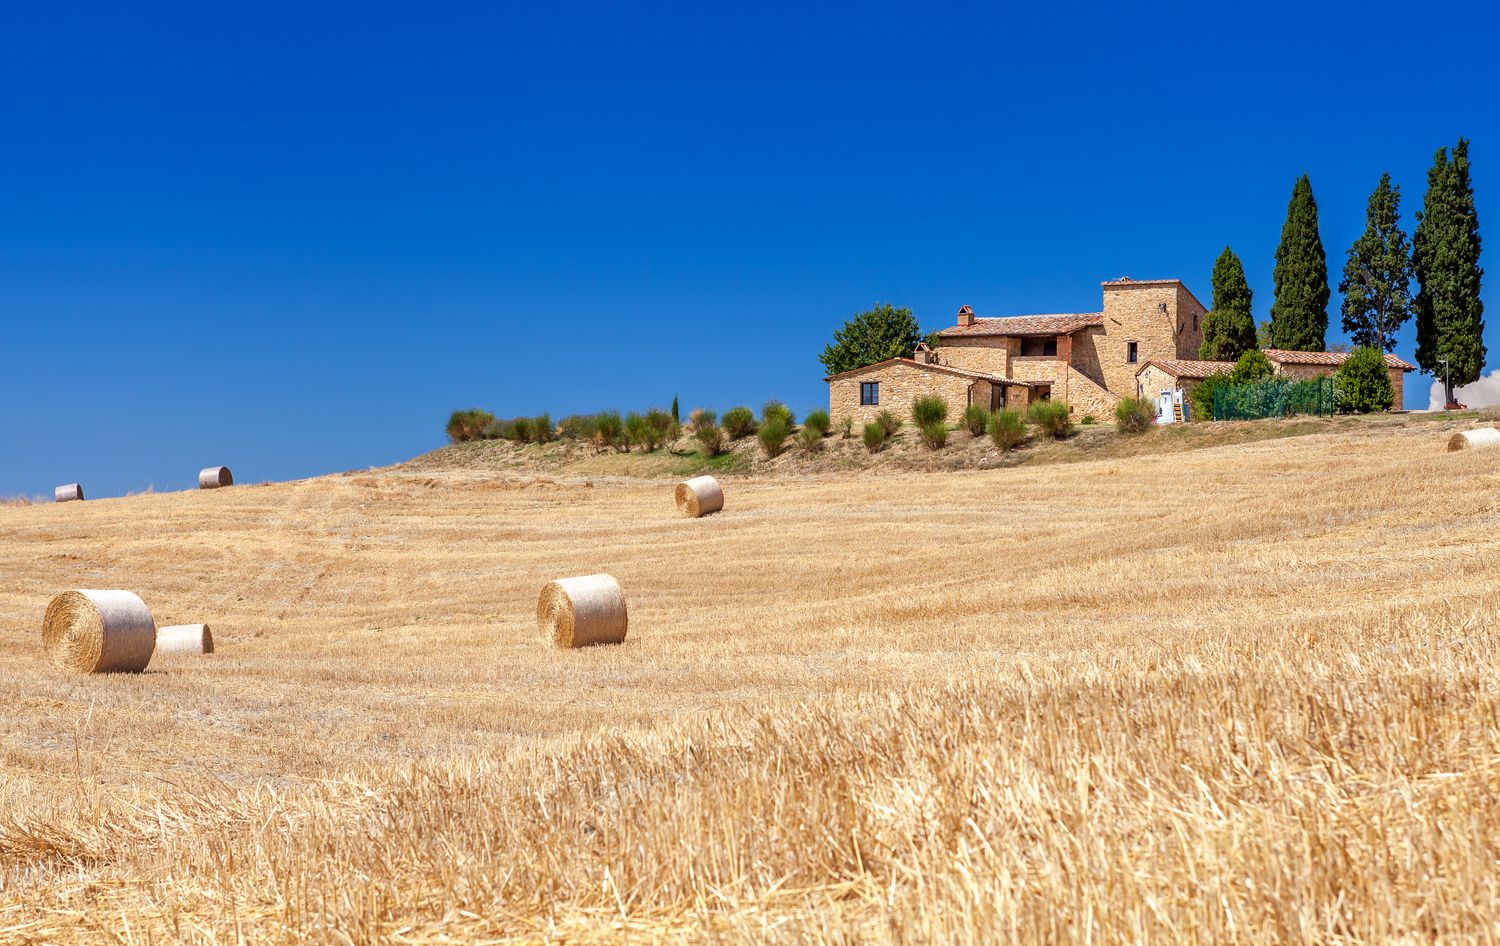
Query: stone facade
x,y
901,382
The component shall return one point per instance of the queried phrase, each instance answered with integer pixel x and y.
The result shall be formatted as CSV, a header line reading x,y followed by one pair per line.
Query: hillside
x,y
906,452
1239,692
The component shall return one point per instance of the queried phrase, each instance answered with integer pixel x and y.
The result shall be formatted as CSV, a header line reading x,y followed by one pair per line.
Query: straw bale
x,y
213,477
1481,437
699,496
98,632
578,612
68,493
184,639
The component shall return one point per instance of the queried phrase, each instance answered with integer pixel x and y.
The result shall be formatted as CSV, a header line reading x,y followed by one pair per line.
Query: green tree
x,y
676,418
1228,329
1252,368
1363,383
1377,276
1299,313
869,337
1445,257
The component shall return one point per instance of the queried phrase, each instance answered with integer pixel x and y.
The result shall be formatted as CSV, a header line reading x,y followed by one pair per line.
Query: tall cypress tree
x,y
1229,328
1299,314
1445,254
1377,276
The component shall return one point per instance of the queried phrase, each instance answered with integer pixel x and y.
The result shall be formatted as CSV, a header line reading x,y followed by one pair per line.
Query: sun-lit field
x,y
1241,694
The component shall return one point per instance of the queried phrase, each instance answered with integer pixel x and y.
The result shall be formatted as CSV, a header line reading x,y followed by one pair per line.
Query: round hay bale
x,y
578,612
184,639
1466,439
99,632
68,493
699,496
213,477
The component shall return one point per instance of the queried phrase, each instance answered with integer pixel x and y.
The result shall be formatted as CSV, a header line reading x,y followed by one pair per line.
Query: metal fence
x,y
1274,399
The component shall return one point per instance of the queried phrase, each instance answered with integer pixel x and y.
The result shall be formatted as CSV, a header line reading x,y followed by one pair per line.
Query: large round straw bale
x,y
212,477
699,496
1482,437
68,493
184,639
577,612
99,632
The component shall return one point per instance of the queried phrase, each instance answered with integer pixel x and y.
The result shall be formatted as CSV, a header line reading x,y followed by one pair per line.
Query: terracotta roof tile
x,y
1179,368
1026,325
1332,358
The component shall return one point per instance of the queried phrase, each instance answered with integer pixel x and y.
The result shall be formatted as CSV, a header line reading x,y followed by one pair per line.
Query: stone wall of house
x,y
990,354
1152,381
1190,316
900,384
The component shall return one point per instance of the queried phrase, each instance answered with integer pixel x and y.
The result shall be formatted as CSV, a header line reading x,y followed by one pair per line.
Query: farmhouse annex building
x,y
1089,360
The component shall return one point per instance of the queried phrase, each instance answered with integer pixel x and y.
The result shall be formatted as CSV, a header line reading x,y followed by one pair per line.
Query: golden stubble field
x,y
1242,694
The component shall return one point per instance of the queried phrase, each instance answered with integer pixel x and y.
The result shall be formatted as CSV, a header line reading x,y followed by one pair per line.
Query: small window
x,y
1132,352
869,392
1195,323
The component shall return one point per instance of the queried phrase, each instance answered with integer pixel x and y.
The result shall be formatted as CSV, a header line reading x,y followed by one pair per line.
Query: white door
x,y
1164,408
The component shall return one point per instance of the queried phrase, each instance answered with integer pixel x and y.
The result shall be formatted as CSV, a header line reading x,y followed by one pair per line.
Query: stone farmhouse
x,y
1159,377
1090,360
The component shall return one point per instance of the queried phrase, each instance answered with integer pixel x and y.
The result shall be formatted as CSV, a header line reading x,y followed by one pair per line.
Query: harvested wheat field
x,y
1248,693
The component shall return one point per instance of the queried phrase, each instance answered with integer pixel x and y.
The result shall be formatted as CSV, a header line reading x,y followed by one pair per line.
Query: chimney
x,y
965,315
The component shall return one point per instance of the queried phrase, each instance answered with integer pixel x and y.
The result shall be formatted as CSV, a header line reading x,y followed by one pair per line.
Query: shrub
x,y
542,429
818,420
1134,415
1201,397
609,430
658,428
707,432
1088,420
696,416
773,434
635,431
468,425
935,434
888,423
1051,418
1362,384
875,436
739,423
1007,429
577,427
976,418
494,430
774,409
1252,368
520,430
929,410
811,438
846,426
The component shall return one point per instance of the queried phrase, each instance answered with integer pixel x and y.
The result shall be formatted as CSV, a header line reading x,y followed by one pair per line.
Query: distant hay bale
x,y
184,639
99,632
699,496
68,493
578,612
1466,439
213,477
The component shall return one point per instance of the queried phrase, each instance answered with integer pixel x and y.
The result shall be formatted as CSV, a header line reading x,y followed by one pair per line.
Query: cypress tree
x,y
1229,328
1445,255
1377,276
1299,314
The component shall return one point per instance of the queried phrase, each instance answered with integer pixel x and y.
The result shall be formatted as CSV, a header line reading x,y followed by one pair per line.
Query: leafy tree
x,y
1299,314
1445,256
1363,383
676,417
1228,329
1252,368
879,334
1201,397
1377,276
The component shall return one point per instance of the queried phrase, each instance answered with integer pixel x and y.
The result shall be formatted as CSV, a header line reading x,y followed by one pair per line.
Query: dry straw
x,y
68,493
578,612
99,632
1481,437
699,496
184,639
213,477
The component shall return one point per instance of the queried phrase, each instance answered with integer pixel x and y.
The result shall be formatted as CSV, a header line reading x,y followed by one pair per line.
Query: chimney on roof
x,y
965,315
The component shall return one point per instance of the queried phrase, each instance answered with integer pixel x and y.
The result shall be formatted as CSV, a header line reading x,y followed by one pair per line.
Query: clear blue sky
x,y
292,238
